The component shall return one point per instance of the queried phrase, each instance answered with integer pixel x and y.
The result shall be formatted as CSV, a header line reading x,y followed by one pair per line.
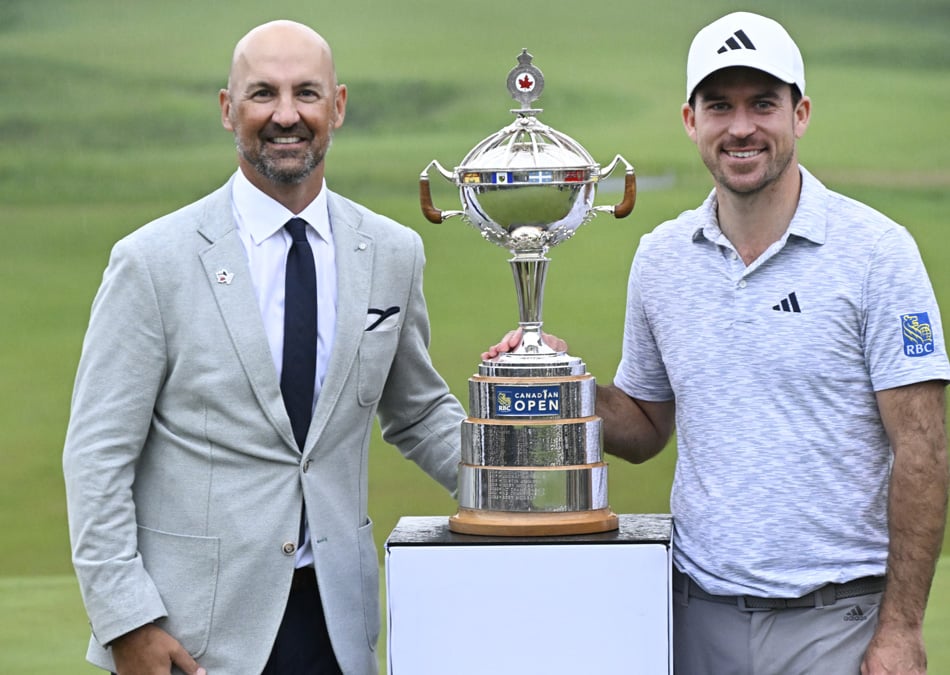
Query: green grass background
x,y
108,118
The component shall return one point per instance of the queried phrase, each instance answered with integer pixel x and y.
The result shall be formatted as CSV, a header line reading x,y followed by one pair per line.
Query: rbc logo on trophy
x,y
527,401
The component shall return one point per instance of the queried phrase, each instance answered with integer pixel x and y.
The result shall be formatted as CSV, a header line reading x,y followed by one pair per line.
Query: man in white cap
x,y
798,334
793,338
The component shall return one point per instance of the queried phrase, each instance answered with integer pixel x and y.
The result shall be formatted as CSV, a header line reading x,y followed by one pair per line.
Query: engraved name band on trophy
x,y
532,446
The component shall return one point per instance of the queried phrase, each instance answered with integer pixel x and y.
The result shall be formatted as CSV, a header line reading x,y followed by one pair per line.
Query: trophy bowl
x,y
532,458
527,187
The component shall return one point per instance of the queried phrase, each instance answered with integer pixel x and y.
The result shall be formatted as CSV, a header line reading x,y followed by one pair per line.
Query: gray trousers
x,y
713,638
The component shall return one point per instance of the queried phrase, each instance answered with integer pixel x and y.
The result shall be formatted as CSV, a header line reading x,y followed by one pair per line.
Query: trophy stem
x,y
530,271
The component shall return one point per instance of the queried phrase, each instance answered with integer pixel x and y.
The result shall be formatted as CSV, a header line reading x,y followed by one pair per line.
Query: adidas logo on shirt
x,y
855,614
738,40
788,304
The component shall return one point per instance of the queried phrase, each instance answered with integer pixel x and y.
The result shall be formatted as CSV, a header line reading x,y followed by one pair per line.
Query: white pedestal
x,y
576,604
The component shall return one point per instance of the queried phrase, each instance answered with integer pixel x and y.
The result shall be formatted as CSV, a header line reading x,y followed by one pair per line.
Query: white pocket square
x,y
382,319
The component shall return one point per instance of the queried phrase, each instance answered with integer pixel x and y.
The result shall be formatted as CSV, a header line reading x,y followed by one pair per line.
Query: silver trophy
x,y
532,446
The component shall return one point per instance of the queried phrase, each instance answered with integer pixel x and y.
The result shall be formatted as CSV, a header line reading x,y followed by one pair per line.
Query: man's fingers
x,y
183,660
554,342
510,341
149,649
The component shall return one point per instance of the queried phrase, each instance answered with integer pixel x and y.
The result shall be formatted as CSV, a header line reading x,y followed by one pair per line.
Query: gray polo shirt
x,y
783,462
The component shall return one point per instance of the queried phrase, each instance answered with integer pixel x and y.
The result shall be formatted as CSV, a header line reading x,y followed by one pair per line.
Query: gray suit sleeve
x,y
120,372
417,412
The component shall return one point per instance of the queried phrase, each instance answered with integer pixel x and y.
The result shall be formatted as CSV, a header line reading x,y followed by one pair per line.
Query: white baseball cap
x,y
744,39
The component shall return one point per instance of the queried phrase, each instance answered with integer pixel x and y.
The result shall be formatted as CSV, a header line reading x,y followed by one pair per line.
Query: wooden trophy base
x,y
511,524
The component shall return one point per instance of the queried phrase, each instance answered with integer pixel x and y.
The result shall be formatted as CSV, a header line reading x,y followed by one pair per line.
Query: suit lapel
x,y
225,264
354,251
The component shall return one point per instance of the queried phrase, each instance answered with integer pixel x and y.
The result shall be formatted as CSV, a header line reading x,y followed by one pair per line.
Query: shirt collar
x,y
260,215
809,222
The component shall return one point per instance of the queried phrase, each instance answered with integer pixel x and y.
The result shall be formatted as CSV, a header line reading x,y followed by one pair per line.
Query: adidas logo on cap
x,y
739,40
747,40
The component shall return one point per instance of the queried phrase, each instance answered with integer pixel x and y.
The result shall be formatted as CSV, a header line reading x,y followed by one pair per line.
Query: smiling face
x,y
745,124
283,104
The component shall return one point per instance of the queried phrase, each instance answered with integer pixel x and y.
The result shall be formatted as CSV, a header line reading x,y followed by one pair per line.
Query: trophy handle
x,y
624,208
429,210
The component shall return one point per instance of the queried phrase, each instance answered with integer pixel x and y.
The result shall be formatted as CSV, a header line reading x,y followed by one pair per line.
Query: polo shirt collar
x,y
809,222
262,216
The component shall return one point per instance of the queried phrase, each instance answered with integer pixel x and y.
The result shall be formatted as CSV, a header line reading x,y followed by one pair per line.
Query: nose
x,y
741,125
286,113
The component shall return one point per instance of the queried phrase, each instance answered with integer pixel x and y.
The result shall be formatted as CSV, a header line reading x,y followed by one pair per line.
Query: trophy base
x,y
511,524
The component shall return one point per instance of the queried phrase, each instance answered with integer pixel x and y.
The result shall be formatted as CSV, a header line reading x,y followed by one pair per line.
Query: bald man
x,y
237,355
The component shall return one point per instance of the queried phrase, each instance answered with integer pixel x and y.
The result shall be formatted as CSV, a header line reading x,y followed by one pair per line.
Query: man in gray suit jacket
x,y
185,482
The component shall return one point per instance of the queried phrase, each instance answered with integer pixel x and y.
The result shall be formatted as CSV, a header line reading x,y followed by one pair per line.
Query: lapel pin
x,y
224,277
362,246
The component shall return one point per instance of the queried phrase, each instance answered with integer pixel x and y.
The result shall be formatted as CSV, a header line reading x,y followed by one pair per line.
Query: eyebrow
x,y
771,93
264,84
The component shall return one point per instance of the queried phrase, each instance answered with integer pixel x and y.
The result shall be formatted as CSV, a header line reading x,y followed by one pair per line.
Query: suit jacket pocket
x,y
185,571
376,352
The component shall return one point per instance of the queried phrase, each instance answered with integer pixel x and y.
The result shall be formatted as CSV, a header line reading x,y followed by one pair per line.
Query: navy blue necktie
x,y
300,331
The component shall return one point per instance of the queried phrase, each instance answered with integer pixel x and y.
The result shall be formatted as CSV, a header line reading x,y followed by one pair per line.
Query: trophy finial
x,y
525,83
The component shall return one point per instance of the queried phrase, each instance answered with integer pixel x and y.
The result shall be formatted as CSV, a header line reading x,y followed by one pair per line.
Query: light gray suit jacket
x,y
183,480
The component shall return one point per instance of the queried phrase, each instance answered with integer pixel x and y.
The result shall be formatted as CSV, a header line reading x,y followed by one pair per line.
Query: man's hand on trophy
x,y
513,338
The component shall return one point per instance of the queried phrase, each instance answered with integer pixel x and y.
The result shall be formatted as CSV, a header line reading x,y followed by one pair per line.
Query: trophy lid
x,y
529,144
535,152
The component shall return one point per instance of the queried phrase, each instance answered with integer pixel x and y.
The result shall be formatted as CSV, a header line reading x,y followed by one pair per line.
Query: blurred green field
x,y
109,118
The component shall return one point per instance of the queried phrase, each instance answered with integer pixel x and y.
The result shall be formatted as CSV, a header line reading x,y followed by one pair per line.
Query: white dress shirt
x,y
260,222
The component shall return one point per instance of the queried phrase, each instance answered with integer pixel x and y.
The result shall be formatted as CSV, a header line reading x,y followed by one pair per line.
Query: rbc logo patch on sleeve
x,y
918,336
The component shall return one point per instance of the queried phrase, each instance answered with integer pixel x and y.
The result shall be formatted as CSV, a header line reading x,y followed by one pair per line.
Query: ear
x,y
340,106
689,121
802,116
224,100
